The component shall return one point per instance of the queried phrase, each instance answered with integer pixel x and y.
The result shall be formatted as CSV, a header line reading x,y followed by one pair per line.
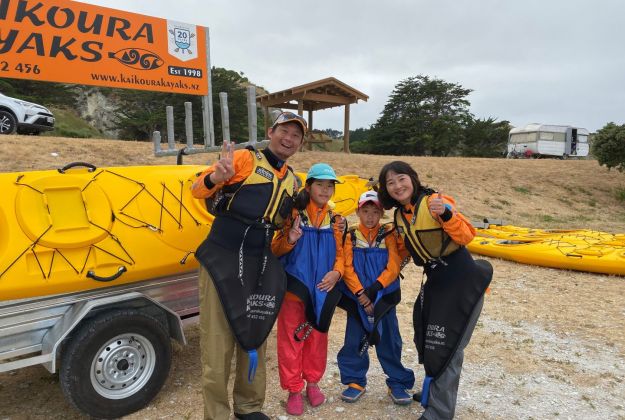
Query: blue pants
x,y
353,367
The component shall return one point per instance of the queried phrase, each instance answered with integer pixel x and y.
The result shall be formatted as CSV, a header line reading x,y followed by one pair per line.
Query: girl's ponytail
x,y
303,197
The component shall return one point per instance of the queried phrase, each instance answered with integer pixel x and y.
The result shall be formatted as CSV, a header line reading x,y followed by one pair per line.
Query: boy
x,y
372,266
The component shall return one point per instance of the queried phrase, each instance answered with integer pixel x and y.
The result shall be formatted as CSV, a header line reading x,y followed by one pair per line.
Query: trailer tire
x,y
116,363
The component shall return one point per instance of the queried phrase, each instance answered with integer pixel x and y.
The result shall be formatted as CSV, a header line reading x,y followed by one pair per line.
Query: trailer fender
x,y
82,310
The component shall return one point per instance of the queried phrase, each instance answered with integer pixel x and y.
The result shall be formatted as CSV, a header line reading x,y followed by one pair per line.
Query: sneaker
x,y
352,393
295,404
314,395
400,396
417,396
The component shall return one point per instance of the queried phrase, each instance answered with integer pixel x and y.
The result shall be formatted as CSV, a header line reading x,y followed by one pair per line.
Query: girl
x,y
450,301
372,265
311,250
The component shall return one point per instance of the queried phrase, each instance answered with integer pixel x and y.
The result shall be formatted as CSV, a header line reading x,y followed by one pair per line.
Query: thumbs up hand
x,y
436,204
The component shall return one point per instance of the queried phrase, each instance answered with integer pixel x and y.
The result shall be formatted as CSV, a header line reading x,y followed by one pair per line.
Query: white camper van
x,y
537,140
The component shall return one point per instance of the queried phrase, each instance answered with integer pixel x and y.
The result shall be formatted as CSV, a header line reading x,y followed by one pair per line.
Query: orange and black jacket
x,y
390,273
260,192
427,237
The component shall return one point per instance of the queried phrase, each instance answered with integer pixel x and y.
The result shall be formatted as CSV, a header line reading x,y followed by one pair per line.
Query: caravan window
x,y
582,138
522,137
551,136
517,138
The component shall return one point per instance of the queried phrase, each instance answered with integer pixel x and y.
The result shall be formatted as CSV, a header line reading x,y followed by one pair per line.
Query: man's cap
x,y
321,171
369,197
287,117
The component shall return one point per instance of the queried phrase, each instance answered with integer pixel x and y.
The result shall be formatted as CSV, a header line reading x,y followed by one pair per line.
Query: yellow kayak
x,y
84,227
87,228
346,193
581,250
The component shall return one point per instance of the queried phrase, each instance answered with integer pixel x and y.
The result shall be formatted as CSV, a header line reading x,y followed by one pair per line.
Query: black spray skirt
x,y
450,294
252,304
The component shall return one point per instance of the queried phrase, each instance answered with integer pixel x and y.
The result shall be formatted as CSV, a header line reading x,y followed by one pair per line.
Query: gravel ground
x,y
550,344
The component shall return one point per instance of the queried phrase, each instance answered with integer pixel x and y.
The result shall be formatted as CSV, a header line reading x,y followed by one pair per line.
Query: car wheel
x,y
8,123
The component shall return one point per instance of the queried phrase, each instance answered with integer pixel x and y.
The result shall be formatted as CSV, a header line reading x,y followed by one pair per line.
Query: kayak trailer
x,y
111,346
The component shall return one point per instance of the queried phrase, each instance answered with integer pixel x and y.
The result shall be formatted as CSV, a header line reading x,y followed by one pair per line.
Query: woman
x,y
450,301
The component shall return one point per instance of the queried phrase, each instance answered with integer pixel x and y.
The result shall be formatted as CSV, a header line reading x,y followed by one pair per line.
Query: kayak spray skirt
x,y
442,310
251,302
308,262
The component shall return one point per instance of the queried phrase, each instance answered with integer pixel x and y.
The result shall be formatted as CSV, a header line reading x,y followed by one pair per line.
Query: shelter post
x,y
346,130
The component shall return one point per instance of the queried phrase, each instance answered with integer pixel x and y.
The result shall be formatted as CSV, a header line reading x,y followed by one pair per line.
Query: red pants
x,y
299,361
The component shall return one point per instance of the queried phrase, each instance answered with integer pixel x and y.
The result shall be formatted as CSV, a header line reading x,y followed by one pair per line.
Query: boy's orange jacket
x,y
392,269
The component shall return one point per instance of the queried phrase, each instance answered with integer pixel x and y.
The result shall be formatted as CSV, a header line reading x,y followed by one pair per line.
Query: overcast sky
x,y
557,62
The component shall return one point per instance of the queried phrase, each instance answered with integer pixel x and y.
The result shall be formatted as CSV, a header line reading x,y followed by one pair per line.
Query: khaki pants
x,y
218,346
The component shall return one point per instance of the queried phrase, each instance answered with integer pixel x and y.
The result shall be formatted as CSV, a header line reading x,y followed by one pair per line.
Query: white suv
x,y
23,117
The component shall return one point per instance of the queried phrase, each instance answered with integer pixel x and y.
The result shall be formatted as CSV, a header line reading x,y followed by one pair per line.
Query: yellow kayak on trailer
x,y
82,227
581,250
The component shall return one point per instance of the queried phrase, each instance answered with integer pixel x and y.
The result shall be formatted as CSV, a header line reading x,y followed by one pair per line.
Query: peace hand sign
x,y
437,205
295,232
224,167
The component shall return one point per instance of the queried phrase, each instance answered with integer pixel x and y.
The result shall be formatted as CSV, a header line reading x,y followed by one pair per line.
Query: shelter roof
x,y
322,94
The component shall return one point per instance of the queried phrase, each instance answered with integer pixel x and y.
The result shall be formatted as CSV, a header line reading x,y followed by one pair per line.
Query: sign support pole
x,y
207,101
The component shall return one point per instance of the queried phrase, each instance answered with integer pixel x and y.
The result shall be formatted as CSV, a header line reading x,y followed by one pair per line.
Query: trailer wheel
x,y
116,363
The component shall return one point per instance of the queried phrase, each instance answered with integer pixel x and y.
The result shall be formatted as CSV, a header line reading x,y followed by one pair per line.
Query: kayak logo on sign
x,y
182,40
260,306
137,58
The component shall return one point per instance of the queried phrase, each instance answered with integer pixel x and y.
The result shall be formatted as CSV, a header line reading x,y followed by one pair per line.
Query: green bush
x,y
609,146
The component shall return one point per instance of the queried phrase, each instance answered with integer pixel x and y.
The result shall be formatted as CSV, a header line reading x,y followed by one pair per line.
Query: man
x,y
241,283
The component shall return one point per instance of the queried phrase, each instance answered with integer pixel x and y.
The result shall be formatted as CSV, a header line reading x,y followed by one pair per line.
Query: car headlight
x,y
23,103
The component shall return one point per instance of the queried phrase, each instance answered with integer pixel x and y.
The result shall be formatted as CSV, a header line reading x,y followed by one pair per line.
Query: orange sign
x,y
71,42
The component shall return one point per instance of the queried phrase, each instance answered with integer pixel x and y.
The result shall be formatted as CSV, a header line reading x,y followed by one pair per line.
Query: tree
x,y
332,133
485,138
422,116
44,93
359,140
608,146
234,84
140,113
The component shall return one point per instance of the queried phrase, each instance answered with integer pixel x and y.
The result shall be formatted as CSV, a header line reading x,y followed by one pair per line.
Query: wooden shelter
x,y
314,96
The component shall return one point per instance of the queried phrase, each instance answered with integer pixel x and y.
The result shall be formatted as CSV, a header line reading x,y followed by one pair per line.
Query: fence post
x,y
188,123
156,139
225,117
169,112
